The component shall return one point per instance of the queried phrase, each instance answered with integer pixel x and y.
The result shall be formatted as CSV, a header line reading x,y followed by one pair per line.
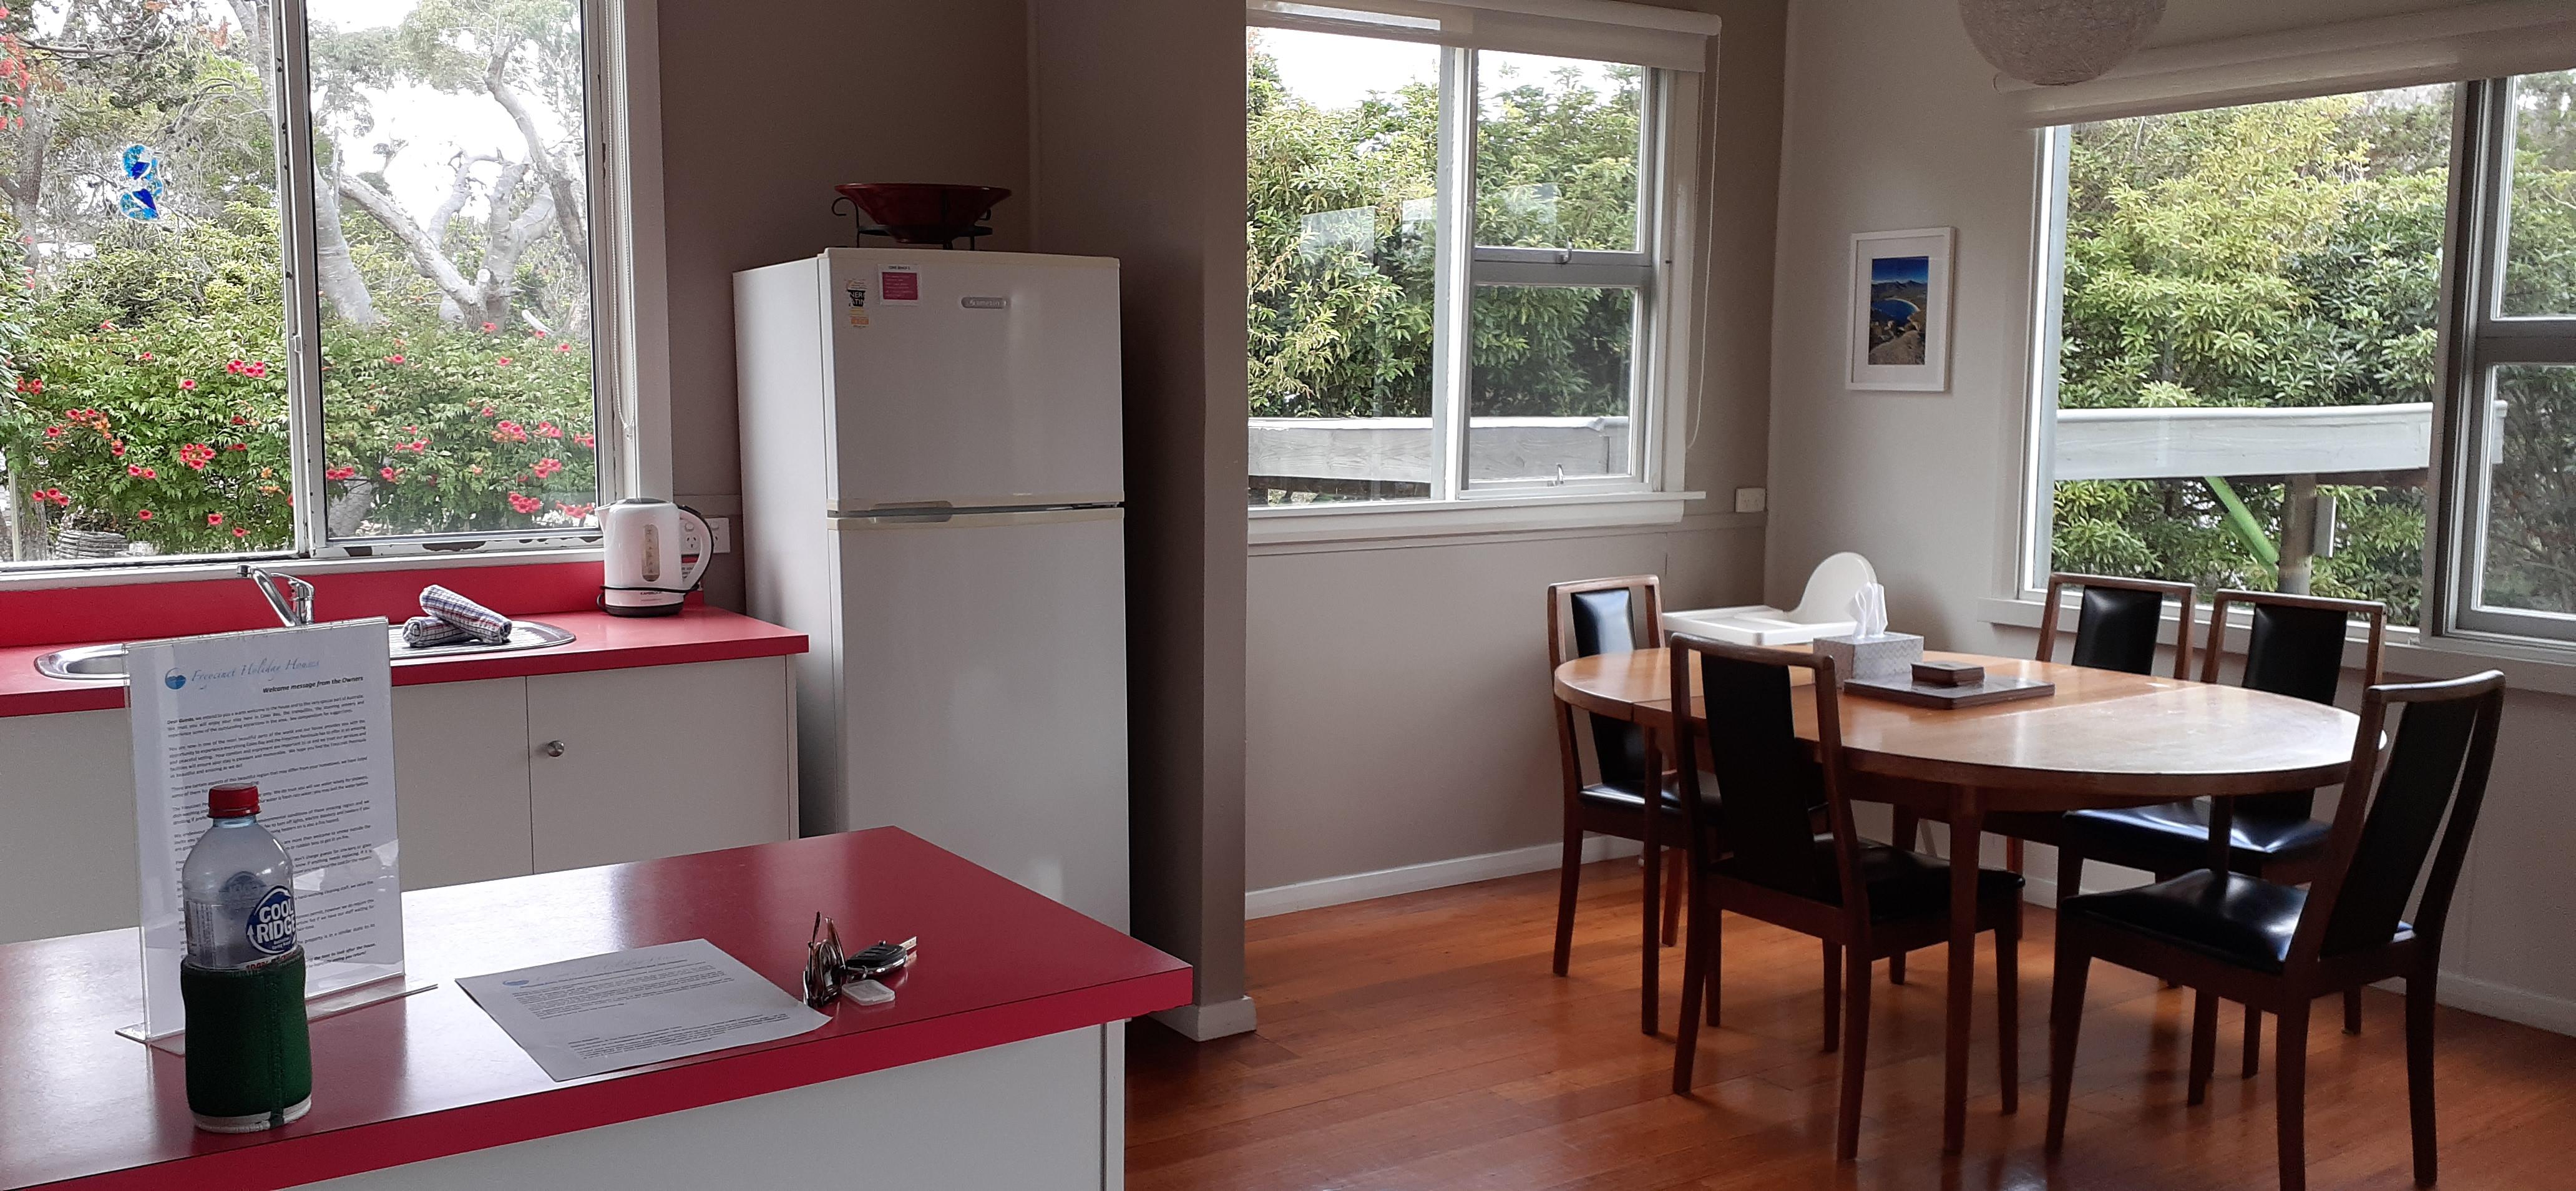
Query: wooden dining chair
x,y
2295,648
1584,619
2117,624
2277,947
1864,901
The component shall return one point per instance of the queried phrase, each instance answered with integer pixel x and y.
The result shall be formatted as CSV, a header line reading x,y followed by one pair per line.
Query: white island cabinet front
x,y
493,778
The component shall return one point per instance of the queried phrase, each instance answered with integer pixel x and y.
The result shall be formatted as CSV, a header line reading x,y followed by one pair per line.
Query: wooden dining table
x,y
2103,738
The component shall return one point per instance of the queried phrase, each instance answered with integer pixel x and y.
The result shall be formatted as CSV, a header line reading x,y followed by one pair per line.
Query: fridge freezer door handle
x,y
924,519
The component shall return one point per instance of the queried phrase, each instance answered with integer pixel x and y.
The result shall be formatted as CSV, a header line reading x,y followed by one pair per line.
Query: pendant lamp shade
x,y
2055,42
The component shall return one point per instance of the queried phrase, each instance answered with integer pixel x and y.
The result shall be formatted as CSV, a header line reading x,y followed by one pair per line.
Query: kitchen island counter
x,y
999,1063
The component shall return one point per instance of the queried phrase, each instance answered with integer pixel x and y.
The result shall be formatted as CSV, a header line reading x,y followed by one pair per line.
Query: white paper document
x,y
628,1008
307,713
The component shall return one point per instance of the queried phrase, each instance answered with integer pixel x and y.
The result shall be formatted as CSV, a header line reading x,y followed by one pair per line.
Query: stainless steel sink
x,y
106,663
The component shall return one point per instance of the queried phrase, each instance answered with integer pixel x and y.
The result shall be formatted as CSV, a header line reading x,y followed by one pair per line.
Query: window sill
x,y
198,570
2410,653
1387,521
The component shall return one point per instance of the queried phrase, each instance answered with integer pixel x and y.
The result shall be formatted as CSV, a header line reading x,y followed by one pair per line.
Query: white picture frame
x,y
1913,267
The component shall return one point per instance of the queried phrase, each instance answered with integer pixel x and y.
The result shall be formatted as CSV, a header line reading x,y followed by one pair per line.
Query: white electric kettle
x,y
656,552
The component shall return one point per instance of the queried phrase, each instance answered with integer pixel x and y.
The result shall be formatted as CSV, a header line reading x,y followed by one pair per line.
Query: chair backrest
x,y
2117,625
1589,617
1760,767
2392,819
2295,648
1830,588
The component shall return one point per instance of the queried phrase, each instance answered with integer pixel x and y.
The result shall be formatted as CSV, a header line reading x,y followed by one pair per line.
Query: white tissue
x,y
1869,611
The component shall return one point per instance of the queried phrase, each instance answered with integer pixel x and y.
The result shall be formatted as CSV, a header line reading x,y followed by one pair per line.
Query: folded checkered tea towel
x,y
423,632
482,623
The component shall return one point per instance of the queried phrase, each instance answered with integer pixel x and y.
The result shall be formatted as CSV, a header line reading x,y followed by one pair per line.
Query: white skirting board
x,y
1200,1023
1414,878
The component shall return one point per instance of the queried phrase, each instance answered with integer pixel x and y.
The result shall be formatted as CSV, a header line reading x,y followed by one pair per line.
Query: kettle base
x,y
669,609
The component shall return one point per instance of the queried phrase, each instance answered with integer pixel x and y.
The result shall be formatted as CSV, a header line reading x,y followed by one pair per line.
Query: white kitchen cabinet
x,y
460,784
635,764
67,855
655,761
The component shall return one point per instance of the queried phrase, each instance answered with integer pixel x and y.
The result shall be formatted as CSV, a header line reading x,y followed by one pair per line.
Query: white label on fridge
x,y
899,285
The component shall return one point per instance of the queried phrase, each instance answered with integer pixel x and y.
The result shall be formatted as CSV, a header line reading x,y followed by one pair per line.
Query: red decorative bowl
x,y
923,212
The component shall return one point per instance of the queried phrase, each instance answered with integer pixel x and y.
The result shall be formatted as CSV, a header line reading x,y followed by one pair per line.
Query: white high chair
x,y
1824,610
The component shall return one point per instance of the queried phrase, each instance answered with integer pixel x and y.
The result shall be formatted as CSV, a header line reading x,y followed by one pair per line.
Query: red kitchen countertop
x,y
431,1075
37,622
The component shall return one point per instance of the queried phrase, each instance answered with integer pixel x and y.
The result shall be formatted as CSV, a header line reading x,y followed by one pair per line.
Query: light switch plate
x,y
1752,500
721,529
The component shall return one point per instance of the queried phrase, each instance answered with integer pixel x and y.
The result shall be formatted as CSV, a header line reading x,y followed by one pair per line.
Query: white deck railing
x,y
2091,444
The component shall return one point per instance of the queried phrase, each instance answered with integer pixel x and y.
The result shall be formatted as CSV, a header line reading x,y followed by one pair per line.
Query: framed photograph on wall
x,y
1900,309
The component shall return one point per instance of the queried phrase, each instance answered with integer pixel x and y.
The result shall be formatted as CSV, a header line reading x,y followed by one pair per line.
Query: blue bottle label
x,y
272,922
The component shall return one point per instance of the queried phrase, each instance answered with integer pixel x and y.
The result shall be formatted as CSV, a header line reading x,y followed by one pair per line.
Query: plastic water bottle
x,y
250,1064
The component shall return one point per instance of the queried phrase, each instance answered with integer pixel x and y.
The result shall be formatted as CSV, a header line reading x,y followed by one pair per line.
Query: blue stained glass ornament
x,y
141,200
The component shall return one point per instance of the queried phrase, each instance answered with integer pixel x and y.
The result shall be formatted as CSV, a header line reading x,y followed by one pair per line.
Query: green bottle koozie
x,y
250,1057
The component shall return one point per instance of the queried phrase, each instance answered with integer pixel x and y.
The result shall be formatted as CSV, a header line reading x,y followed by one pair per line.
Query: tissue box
x,y
1886,655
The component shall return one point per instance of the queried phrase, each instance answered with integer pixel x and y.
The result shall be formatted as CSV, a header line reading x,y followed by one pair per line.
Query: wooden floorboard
x,y
1420,1042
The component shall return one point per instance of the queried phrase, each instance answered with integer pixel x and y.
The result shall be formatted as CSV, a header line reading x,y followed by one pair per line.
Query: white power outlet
x,y
721,529
1752,500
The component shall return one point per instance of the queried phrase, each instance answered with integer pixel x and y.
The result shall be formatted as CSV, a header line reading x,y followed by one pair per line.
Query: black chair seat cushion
x,y
2243,920
1621,798
2174,836
1903,883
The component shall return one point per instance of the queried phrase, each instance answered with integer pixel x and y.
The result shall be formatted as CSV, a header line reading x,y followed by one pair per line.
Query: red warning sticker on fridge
x,y
899,287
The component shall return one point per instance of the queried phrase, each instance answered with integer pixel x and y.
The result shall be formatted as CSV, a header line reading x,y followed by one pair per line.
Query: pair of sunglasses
x,y
828,970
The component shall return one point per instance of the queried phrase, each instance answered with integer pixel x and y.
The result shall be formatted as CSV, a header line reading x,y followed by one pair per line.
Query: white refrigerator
x,y
932,487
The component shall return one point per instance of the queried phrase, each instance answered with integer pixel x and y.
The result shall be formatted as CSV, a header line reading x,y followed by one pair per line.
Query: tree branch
x,y
567,207
426,255
459,193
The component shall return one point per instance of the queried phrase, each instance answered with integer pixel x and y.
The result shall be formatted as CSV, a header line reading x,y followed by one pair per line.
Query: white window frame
x,y
2476,341
2479,341
1659,271
630,354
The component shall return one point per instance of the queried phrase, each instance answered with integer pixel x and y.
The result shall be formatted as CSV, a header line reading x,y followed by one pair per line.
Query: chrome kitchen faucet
x,y
291,598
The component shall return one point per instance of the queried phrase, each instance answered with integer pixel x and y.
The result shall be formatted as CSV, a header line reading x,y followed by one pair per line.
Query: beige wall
x,y
1398,708
1138,112
1925,484
766,105
1398,697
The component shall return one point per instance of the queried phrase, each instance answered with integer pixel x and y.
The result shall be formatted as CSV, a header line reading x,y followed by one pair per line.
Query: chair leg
x,y
2291,1102
1716,959
1855,1051
2013,854
1903,832
2419,1072
1651,977
2253,1042
1833,994
2065,1019
1569,876
2204,1044
2352,1010
1673,895
1695,963
2070,883
2008,1009
2163,875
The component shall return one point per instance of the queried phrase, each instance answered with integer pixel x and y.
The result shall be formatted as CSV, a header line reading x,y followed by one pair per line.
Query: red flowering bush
x,y
161,416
